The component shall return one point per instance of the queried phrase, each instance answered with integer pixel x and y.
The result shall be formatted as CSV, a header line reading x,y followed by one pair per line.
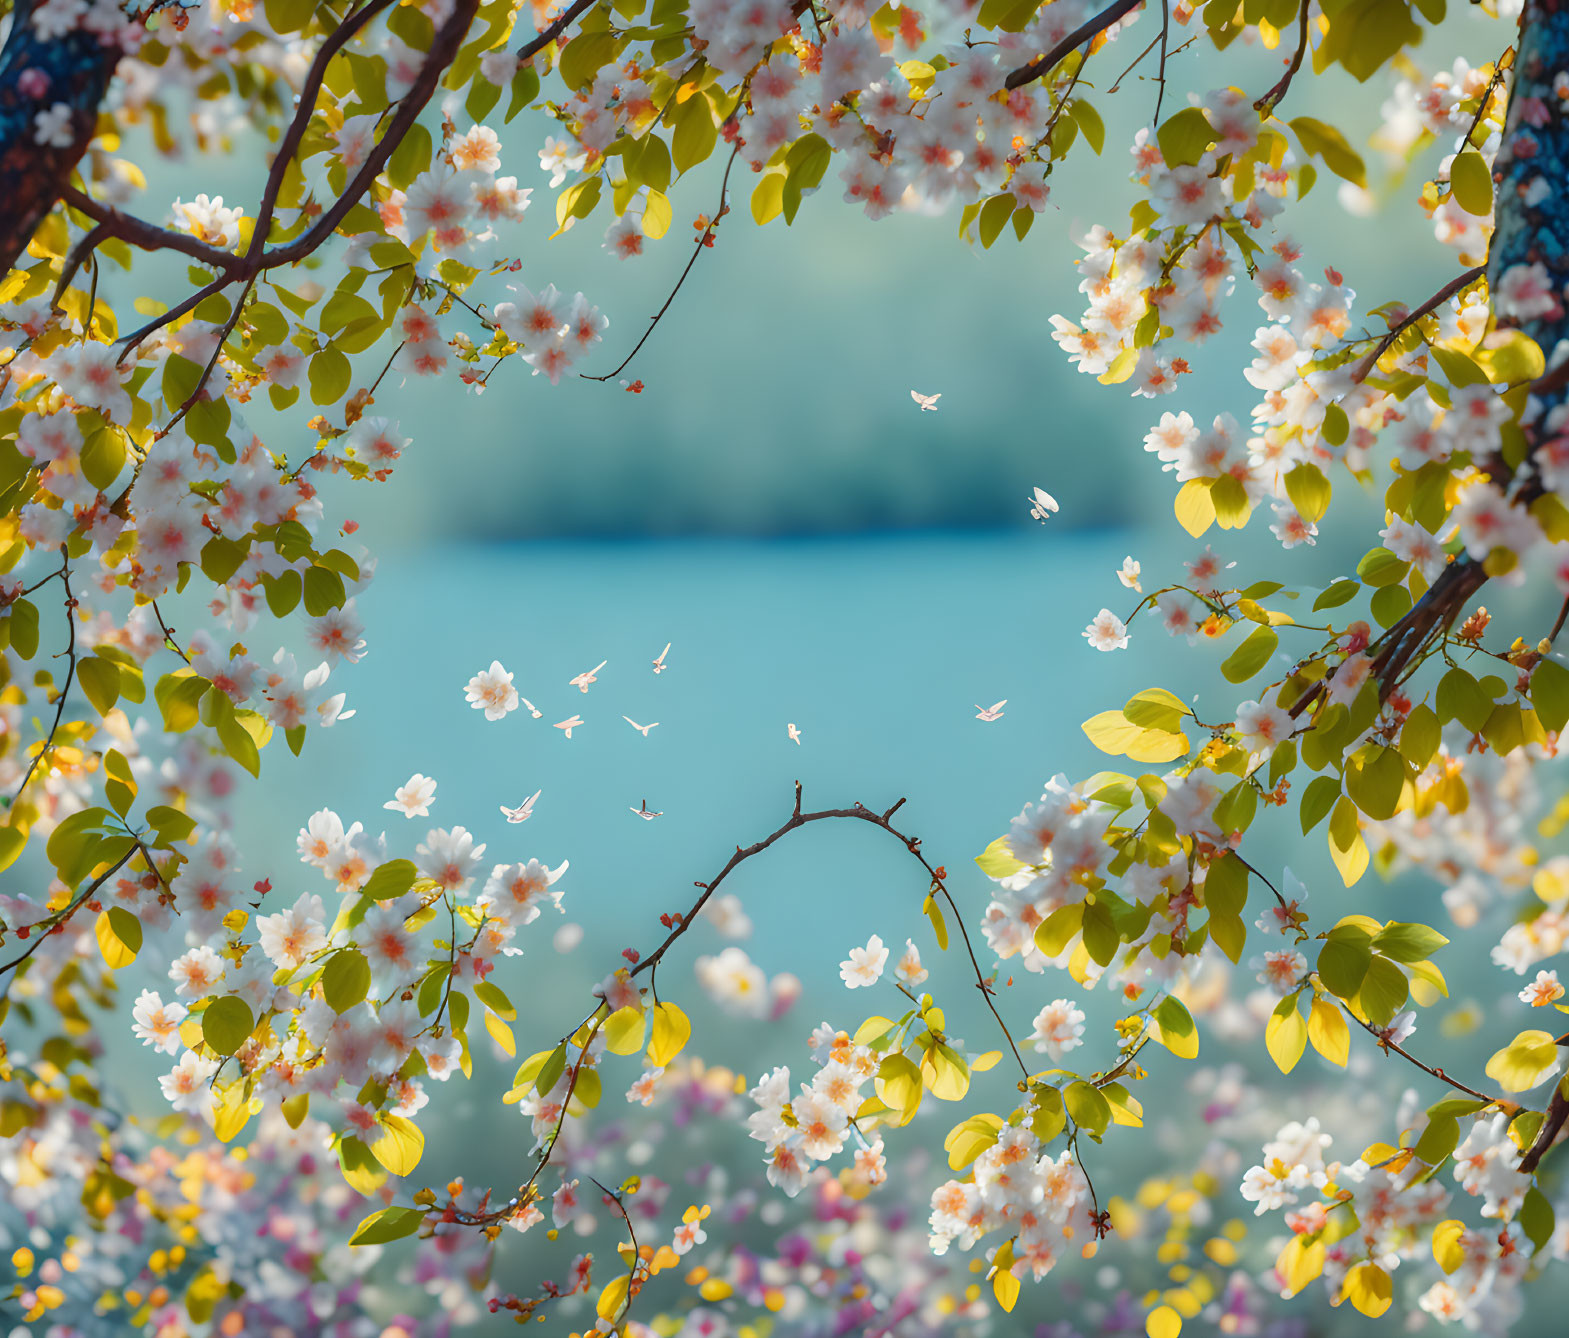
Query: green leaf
x,y
227,1023
1184,137
1087,1108
1536,1218
389,1224
1251,656
1471,181
1322,140
1344,960
493,997
1460,697
1155,708
1374,784
1421,735
1177,1031
1317,800
100,680
1309,490
1550,694
1408,942
345,980
1336,594
330,375
1384,991
391,879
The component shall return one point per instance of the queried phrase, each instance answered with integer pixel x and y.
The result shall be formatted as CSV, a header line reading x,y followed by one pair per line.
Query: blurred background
x,y
817,552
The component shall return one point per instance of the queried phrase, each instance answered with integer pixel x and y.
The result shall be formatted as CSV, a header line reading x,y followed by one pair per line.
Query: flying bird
x,y
569,724
646,813
641,729
659,664
926,401
1042,505
532,709
992,712
524,811
588,676
795,734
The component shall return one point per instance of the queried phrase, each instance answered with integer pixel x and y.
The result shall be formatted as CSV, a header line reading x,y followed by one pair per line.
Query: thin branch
x,y
864,814
1269,101
61,916
443,49
70,676
1090,28
73,262
310,90
1455,285
212,362
1405,1054
596,1019
145,236
697,250
1165,43
168,633
1558,626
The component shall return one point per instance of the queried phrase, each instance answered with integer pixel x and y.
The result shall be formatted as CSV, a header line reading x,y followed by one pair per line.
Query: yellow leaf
x,y
1447,1249
945,1073
1112,732
613,1297
656,215
1352,861
1005,1287
1285,1035
899,1086
966,1141
624,1030
1368,1288
672,1027
1328,1031
1300,1263
1194,507
400,1146
1163,1322
119,935
500,1033
1524,1062
231,1112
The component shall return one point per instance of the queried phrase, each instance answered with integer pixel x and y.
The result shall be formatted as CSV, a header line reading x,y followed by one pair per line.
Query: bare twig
x,y
1271,99
697,250
70,676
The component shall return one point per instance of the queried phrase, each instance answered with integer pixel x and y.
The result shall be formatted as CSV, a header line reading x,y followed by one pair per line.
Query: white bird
x,y
641,729
524,811
569,724
1042,505
926,401
659,664
646,813
532,709
588,676
992,712
795,734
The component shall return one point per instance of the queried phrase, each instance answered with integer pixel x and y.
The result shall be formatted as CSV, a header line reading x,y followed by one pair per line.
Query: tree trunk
x,y
36,75
1531,174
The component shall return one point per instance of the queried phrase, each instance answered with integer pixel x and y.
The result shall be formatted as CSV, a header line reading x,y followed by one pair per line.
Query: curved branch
x,y
1457,284
1091,27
